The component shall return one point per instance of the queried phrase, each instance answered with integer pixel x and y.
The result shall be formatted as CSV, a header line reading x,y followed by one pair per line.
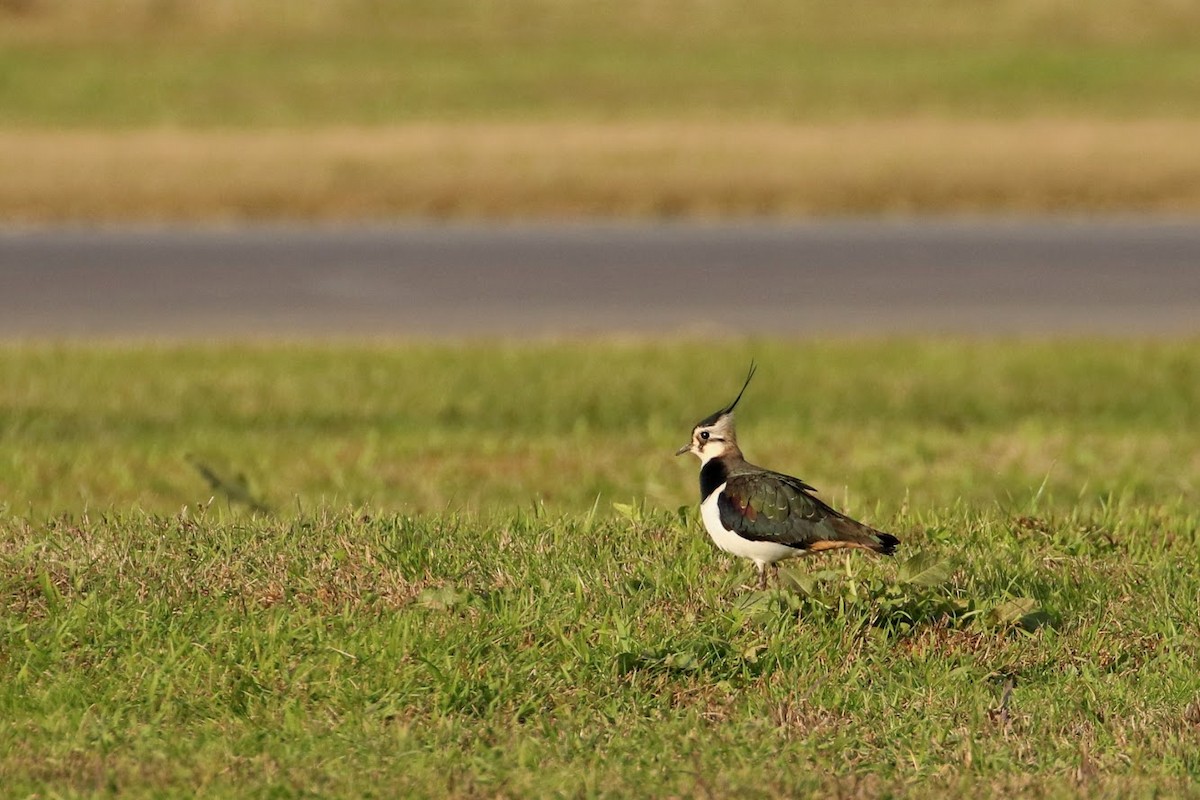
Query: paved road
x,y
842,278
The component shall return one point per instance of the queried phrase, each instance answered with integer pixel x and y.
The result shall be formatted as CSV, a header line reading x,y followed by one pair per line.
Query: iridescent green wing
x,y
772,507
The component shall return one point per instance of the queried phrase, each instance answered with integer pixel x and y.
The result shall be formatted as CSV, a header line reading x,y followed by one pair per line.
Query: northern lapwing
x,y
763,515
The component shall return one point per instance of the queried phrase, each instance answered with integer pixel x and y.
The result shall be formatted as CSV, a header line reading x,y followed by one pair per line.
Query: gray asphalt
x,y
828,279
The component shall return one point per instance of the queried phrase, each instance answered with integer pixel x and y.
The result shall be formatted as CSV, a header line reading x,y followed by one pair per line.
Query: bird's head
x,y
714,435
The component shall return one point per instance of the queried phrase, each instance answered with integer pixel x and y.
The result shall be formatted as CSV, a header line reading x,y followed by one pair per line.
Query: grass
x,y
123,63
571,170
482,574
112,110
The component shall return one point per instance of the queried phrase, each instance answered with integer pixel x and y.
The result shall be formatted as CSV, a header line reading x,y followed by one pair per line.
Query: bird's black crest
x,y
716,415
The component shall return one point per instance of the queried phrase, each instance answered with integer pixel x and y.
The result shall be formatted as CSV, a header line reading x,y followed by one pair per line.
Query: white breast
x,y
730,542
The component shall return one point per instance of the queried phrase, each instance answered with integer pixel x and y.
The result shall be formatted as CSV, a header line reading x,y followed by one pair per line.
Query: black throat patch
x,y
712,475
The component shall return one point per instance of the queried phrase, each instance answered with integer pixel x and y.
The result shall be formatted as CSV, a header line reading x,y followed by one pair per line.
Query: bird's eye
x,y
704,435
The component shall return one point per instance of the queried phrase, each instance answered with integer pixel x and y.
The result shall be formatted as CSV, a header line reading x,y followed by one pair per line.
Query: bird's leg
x,y
762,577
775,573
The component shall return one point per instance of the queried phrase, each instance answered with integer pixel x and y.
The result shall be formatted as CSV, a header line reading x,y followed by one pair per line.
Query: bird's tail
x,y
848,533
886,543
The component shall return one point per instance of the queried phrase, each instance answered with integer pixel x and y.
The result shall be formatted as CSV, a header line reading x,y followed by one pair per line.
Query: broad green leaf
x,y
682,660
1020,611
627,510
443,598
924,569
800,582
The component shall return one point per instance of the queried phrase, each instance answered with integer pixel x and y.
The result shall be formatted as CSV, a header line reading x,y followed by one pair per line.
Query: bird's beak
x,y
686,448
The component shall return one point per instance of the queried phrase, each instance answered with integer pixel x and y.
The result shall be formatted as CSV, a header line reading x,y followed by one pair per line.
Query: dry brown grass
x,y
563,169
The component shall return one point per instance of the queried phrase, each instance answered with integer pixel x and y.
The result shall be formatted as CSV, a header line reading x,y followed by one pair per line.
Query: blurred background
x,y
1054,142
169,110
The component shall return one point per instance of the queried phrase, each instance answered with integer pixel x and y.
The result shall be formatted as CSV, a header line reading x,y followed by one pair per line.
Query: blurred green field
x,y
169,110
428,427
477,570
136,63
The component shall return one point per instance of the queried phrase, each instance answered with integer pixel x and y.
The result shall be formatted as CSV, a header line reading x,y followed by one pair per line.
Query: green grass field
x,y
477,571
122,63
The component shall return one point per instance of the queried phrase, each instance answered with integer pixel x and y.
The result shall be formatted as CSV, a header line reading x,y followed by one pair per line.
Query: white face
x,y
709,441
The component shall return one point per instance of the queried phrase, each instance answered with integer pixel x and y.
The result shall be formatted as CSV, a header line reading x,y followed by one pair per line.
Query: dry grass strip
x,y
565,169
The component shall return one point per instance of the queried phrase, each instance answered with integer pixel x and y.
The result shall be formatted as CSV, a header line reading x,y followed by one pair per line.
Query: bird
x,y
763,515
